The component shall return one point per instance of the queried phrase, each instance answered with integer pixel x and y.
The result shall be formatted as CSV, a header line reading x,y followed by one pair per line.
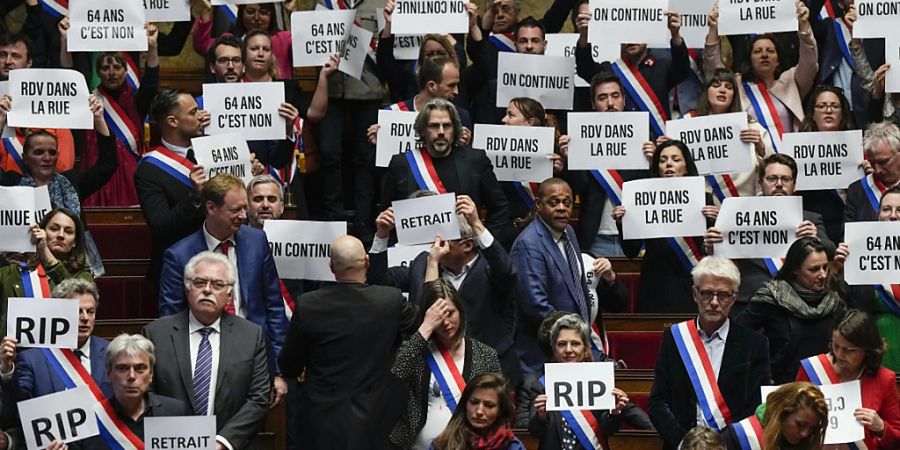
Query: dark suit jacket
x,y
157,406
673,403
593,199
34,377
258,281
242,383
347,361
859,208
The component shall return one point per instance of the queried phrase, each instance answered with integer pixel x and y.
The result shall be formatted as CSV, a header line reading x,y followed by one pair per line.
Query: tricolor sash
x,y
122,126
584,425
644,97
35,282
527,192
766,115
749,433
700,371
56,8
889,293
288,301
298,149
15,147
423,171
446,373
820,370
773,264
874,189
132,73
611,182
505,42
172,163
687,251
842,32
599,341
230,11
406,105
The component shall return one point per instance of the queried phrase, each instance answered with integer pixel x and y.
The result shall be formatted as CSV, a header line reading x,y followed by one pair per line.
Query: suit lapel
x,y
181,345
226,341
556,255
240,244
98,361
734,354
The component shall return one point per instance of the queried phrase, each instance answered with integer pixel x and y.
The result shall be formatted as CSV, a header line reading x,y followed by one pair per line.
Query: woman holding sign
x,y
794,417
856,352
435,364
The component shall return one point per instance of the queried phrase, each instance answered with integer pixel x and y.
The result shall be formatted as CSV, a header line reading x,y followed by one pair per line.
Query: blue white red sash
x,y
122,126
644,97
874,189
446,373
15,147
599,341
172,163
842,32
230,11
423,171
526,191
584,425
687,251
56,8
749,433
406,105
820,370
766,114
889,293
132,73
611,182
700,371
298,149
35,283
773,264
505,42
288,301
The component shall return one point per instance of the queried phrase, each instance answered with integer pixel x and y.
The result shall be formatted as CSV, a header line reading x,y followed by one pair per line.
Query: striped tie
x,y
574,264
203,372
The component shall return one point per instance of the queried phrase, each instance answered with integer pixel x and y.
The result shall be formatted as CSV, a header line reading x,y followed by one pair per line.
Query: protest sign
x,y
66,416
636,21
302,248
102,25
876,19
825,159
664,207
577,386
758,227
4,89
547,79
892,57
223,153
353,55
21,206
403,255
563,44
755,17
694,15
418,220
180,433
874,253
593,280
48,322
243,2
167,10
843,400
608,140
715,142
407,47
395,135
517,153
49,98
252,113
412,17
316,35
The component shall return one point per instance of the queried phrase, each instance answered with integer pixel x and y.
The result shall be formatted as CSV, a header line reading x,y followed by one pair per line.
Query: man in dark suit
x,y
777,177
551,276
881,142
739,358
346,359
476,264
257,293
444,165
213,360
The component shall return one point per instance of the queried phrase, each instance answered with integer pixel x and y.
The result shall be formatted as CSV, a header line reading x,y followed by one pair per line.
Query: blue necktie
x,y
203,372
574,264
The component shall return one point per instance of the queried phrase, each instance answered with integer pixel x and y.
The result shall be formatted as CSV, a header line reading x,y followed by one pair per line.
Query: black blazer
x,y
858,207
673,404
157,406
347,358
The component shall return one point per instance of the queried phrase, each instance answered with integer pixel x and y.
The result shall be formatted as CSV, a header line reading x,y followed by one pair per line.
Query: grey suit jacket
x,y
242,383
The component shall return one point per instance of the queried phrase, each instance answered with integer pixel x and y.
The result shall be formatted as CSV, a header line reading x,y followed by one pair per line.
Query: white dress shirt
x,y
212,244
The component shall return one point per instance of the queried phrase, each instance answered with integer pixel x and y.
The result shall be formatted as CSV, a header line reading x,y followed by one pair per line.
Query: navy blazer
x,y
257,278
35,378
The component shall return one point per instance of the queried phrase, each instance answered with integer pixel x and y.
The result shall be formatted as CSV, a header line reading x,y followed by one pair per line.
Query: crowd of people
x,y
448,350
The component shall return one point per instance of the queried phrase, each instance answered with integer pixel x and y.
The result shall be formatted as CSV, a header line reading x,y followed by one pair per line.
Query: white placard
x,y
563,44
4,89
715,142
758,227
874,253
395,135
694,16
407,47
843,399
403,255
21,206
547,79
102,25
635,21
429,16
418,220
302,248
876,19
663,207
825,159
608,140
243,2
251,113
316,35
223,153
892,57
517,153
353,56
754,17
66,416
579,386
167,10
49,98
47,323
180,433
593,280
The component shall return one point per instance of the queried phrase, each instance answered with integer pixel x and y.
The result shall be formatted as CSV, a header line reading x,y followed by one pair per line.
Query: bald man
x,y
347,359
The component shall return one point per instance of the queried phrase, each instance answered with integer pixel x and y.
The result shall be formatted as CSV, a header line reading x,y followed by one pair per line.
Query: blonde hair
x,y
788,399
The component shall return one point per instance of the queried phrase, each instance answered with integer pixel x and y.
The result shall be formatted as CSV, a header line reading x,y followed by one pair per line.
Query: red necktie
x,y
223,249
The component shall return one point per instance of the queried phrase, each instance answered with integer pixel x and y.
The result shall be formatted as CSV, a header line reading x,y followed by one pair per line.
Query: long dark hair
x,y
796,255
721,76
748,74
859,328
438,289
456,435
240,30
76,260
809,124
690,166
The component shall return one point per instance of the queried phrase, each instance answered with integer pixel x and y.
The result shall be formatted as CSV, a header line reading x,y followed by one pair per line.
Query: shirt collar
x,y
86,349
180,150
553,233
465,268
194,325
211,242
721,333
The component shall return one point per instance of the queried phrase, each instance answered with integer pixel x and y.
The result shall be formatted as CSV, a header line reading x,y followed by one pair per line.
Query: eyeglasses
x,y
721,296
827,106
226,61
772,179
216,285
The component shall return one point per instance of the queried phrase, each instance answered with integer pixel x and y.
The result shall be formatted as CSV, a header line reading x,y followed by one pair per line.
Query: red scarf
x,y
498,440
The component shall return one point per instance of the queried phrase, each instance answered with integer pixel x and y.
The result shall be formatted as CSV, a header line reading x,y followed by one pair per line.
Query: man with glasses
x,y
738,357
881,142
777,177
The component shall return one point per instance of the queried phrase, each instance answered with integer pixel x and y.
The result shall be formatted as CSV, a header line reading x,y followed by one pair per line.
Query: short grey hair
x,y
70,287
190,269
717,266
570,322
131,345
439,104
882,131
263,179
